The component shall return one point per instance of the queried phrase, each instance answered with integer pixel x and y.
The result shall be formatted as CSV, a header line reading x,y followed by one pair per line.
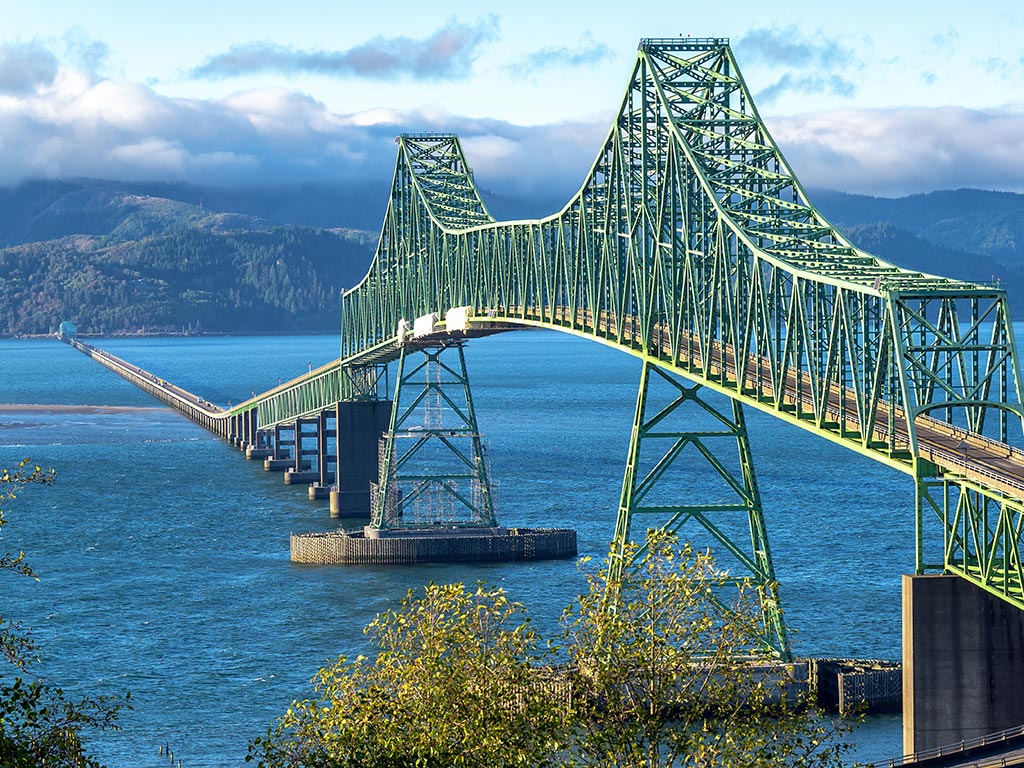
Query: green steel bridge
x,y
692,246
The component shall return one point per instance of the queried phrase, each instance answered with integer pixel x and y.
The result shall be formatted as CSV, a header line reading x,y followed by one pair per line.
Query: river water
x,y
163,555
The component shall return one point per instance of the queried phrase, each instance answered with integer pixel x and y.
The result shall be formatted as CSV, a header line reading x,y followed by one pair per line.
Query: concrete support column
x,y
252,430
303,471
285,446
321,487
359,426
297,452
963,662
322,456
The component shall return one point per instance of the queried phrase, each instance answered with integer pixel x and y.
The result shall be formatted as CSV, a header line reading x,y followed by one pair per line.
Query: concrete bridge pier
x,y
325,460
963,662
281,458
301,471
359,426
262,448
250,427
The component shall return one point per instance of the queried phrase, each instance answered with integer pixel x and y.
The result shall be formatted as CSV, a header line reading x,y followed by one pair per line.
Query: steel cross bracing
x,y
692,245
684,436
432,467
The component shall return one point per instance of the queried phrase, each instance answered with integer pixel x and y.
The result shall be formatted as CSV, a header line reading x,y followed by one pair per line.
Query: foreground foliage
x,y
452,685
665,670
671,672
40,727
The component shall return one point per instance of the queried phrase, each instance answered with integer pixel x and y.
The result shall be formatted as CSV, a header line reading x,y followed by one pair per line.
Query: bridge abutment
x,y
963,662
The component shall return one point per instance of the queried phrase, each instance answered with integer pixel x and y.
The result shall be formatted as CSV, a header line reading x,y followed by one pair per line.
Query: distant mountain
x,y
280,280
47,210
118,257
899,246
115,258
974,221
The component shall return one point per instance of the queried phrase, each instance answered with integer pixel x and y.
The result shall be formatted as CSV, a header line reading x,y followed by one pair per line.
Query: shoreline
x,y
165,334
76,409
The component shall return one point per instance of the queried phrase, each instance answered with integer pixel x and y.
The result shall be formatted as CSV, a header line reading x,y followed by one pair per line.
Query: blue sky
x,y
877,97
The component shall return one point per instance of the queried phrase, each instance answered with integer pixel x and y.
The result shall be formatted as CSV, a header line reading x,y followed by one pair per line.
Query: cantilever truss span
x,y
692,245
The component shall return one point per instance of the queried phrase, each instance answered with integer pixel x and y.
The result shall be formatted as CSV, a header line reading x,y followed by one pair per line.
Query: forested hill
x,y
284,279
965,233
127,257
117,261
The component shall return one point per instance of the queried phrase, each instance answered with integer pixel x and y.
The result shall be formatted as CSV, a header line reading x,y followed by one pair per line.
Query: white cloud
x,y
154,154
899,151
78,125
447,53
24,67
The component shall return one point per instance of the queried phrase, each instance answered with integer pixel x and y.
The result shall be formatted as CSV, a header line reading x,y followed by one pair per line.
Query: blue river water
x,y
163,555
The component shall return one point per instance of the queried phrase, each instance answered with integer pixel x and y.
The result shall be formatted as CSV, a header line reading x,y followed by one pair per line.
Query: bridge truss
x,y
692,245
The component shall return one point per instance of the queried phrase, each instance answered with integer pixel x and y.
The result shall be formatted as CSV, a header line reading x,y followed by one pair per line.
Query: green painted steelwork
x,y
723,511
432,456
692,245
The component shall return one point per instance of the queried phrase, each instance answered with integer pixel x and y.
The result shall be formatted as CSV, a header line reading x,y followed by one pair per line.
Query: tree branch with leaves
x,y
663,669
40,727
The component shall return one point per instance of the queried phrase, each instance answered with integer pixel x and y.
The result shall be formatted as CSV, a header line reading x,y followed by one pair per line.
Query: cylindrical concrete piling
x,y
317,491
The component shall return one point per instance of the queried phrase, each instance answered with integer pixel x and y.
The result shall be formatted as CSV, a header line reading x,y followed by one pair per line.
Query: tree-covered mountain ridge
x,y
117,260
130,257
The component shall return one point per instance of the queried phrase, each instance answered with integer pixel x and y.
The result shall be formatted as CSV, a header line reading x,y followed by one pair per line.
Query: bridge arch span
x,y
691,245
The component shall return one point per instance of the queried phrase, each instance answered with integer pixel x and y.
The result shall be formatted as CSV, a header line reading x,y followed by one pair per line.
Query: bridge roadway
x,y
954,449
967,454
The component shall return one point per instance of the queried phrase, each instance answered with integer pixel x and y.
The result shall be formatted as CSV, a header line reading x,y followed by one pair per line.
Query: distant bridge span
x,y
692,246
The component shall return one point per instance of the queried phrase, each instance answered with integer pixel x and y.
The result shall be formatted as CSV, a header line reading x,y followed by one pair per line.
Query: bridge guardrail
x,y
960,747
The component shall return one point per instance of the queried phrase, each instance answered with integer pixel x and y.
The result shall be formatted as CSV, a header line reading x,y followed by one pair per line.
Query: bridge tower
x,y
433,467
692,245
697,478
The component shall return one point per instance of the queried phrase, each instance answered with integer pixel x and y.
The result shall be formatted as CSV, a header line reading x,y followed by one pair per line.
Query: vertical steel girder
x,y
981,533
724,514
433,468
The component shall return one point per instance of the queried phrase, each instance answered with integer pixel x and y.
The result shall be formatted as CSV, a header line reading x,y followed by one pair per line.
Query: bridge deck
x,y
955,450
